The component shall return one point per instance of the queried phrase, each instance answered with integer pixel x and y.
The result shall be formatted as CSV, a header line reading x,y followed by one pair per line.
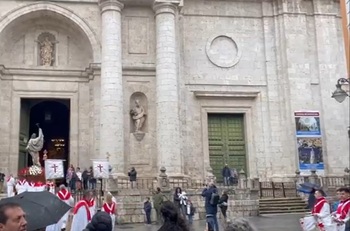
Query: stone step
x,y
282,205
280,199
281,202
303,207
271,212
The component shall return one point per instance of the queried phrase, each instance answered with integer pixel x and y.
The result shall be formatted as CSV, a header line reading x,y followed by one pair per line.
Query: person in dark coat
x,y
311,200
211,210
177,199
132,177
85,178
226,174
101,221
223,203
147,207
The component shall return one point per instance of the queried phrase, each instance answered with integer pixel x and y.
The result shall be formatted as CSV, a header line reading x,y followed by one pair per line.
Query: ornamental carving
x,y
46,49
223,51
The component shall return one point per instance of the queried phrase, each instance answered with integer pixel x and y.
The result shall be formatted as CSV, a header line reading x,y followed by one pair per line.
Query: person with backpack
x,y
212,198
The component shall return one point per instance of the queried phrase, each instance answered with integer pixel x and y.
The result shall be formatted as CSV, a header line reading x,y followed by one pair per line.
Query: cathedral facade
x,y
187,85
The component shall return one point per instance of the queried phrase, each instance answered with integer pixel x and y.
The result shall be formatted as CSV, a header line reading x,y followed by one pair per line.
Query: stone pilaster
x,y
168,124
111,113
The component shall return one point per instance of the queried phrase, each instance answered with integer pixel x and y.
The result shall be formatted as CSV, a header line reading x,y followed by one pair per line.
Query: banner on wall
x,y
309,140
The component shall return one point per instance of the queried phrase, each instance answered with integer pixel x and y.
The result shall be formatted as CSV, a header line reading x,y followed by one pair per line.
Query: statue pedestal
x,y
24,174
39,178
140,149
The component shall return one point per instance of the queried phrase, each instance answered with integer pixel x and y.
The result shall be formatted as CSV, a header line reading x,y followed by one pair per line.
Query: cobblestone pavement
x,y
263,223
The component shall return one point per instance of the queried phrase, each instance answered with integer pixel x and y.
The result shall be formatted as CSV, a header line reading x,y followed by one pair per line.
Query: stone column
x,y
168,124
111,105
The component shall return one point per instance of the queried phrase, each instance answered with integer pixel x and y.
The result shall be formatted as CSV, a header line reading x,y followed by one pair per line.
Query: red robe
x,y
81,216
109,208
343,210
317,210
64,194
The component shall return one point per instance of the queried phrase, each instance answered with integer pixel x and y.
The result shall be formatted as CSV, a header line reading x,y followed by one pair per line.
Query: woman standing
x,y
110,207
177,198
223,203
322,213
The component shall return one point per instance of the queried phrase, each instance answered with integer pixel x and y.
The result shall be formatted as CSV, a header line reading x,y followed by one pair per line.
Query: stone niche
x,y
140,141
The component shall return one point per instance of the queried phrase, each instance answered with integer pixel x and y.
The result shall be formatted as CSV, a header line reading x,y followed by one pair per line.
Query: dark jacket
x,y
207,192
147,206
226,172
177,200
223,198
85,175
132,175
158,199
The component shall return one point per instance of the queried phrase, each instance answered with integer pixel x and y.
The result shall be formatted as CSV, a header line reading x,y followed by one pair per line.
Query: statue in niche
x,y
138,115
46,43
46,52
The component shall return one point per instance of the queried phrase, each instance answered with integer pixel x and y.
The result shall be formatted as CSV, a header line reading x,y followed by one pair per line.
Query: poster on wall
x,y
309,141
307,123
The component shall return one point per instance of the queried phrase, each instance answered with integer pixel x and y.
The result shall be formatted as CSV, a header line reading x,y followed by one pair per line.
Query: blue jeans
x,y
190,219
212,220
226,180
148,217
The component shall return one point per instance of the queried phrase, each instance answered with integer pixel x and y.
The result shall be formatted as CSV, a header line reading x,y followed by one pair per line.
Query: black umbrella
x,y
42,208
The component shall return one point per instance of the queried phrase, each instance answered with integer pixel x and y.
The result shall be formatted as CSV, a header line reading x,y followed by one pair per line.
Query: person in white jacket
x,y
10,183
322,212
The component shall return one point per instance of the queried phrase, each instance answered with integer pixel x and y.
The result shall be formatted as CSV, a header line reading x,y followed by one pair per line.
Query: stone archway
x,y
10,17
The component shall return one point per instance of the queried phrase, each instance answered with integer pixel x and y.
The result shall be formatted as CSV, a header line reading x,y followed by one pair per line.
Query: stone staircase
x,y
282,206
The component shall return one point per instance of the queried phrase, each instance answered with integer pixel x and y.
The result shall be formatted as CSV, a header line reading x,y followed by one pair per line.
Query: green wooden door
x,y
226,142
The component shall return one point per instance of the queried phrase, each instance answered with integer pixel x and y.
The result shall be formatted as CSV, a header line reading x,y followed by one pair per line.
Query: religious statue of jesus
x,y
35,144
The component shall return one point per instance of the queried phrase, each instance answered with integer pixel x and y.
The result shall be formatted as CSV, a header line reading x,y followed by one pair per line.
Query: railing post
x,y
260,189
273,189
297,181
242,180
283,190
313,177
163,180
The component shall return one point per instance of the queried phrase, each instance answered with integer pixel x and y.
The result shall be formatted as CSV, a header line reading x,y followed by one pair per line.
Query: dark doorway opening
x,y
53,115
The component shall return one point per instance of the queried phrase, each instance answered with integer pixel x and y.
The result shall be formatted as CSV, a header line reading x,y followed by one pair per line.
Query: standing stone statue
x,y
35,144
138,115
46,52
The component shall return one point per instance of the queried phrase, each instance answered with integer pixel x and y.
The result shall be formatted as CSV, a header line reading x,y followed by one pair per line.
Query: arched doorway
x,y
53,115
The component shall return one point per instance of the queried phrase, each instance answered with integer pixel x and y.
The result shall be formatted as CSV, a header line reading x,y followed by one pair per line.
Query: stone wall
x,y
242,203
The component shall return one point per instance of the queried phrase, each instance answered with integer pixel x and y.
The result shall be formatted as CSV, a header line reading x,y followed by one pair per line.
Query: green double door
x,y
226,142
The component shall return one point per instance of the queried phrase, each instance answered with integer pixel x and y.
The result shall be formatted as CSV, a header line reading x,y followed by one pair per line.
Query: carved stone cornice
x,y
49,74
227,94
107,5
164,6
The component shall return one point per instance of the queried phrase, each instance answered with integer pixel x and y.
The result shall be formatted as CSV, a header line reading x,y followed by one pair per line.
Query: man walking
x,y
212,199
226,174
157,203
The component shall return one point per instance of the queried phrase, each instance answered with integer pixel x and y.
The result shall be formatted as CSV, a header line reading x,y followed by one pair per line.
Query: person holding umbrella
x,y
12,217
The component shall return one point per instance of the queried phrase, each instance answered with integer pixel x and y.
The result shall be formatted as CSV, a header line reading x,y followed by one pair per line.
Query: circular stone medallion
x,y
223,51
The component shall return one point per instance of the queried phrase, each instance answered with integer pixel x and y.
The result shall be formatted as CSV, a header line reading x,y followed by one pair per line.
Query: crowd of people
x,y
173,214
